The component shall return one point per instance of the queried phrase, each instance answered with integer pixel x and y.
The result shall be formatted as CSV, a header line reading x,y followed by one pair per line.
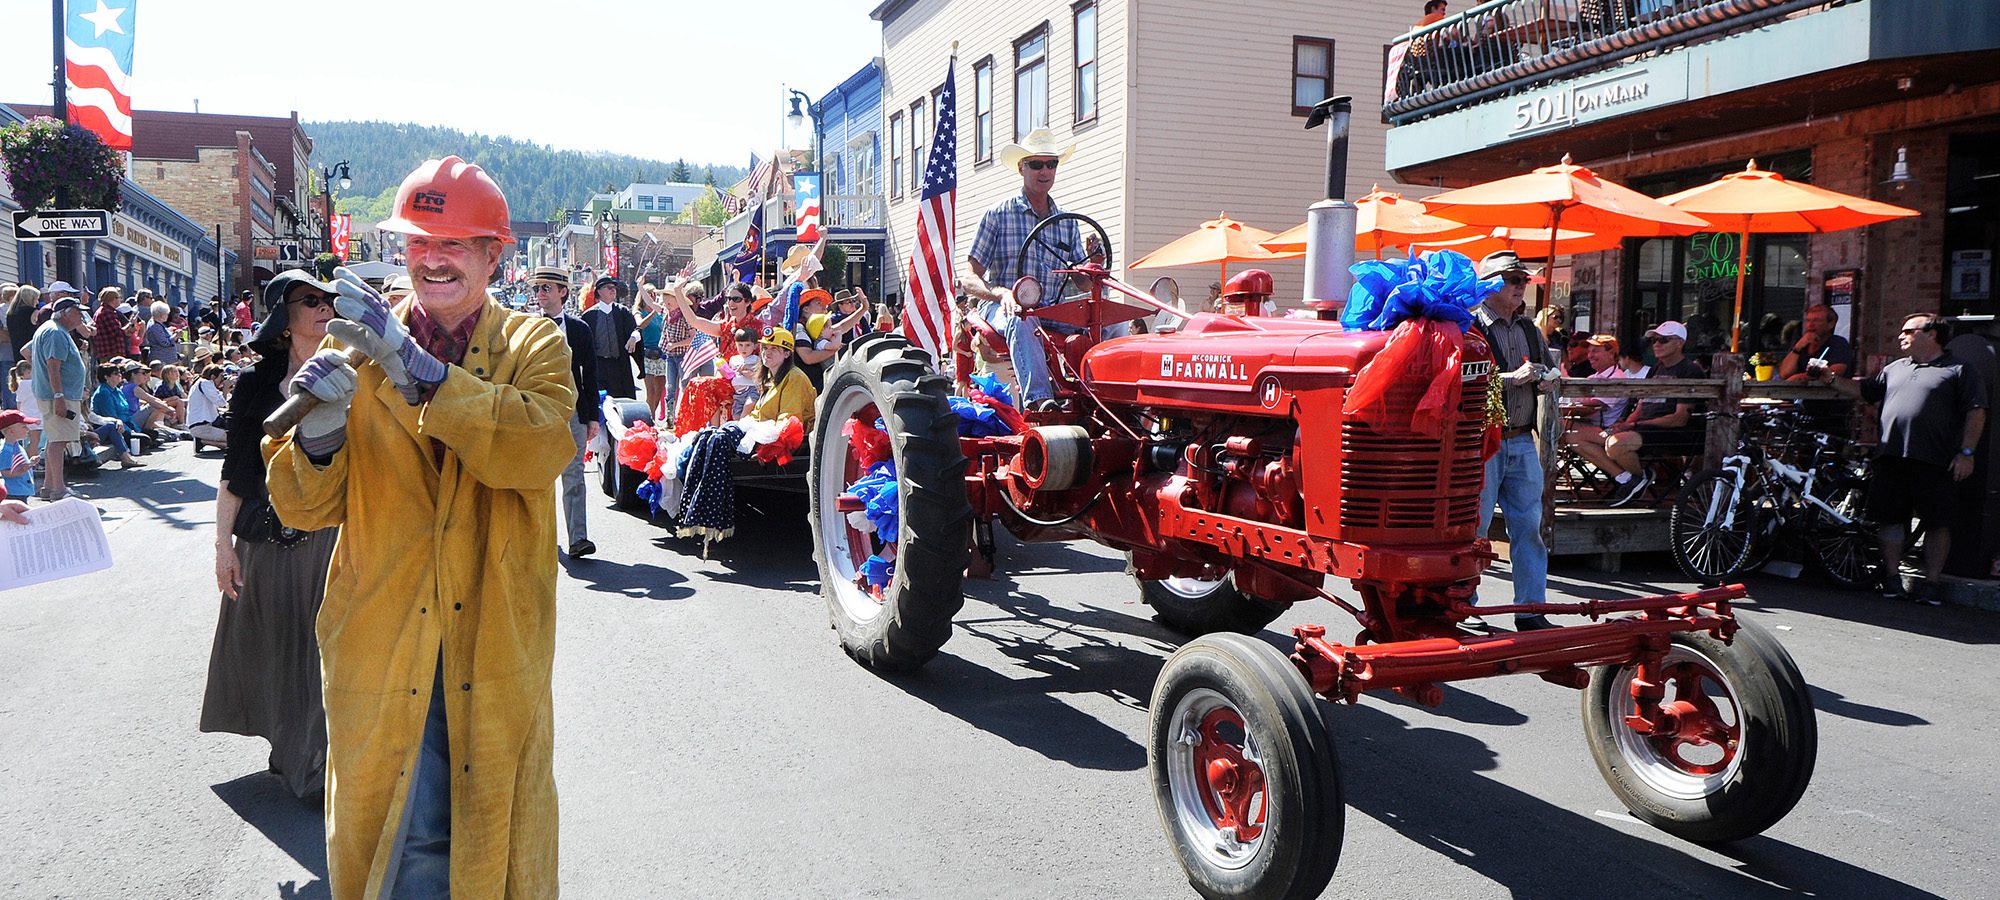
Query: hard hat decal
x,y
427,201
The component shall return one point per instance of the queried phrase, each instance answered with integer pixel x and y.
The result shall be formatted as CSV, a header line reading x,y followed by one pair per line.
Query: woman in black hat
x,y
263,673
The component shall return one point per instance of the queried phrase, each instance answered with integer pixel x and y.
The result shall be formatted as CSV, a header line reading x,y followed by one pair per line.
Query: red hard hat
x,y
1249,282
450,198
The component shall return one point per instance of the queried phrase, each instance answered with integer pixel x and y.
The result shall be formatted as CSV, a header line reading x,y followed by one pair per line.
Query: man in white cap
x,y
60,386
1514,474
1665,425
997,258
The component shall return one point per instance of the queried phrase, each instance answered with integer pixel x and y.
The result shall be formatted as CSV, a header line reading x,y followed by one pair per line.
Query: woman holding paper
x,y
264,673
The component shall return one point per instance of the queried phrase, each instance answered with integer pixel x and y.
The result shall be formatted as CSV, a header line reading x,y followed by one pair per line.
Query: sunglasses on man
x,y
543,288
1040,164
1661,339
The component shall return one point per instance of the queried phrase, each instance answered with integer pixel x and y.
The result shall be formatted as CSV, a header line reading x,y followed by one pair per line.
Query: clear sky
x,y
699,79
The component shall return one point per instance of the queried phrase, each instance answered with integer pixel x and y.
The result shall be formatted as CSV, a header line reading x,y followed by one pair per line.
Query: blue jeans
x,y
1514,480
1031,364
422,869
671,396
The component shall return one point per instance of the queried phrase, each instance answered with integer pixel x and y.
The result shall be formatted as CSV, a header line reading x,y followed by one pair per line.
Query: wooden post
x,y
1724,426
1549,429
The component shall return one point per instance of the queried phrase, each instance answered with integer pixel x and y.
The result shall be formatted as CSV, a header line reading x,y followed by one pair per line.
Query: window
x,y
917,147
667,203
1312,73
645,201
896,151
1086,61
1031,82
982,110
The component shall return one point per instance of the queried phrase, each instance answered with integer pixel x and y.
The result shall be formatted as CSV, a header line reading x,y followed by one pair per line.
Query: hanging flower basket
x,y
43,156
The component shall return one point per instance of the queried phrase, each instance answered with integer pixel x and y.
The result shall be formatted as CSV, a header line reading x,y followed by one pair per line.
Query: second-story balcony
x,y
1507,45
837,211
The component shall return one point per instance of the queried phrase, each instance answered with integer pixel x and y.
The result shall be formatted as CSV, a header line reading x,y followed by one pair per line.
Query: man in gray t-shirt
x,y
1933,419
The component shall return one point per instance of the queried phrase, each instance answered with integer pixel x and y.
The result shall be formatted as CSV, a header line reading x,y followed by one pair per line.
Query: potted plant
x,y
47,159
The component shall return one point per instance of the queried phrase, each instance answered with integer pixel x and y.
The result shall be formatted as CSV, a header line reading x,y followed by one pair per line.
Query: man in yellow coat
x,y
437,457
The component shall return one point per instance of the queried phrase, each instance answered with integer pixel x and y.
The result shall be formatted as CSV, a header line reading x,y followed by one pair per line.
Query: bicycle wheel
x,y
1849,552
1709,543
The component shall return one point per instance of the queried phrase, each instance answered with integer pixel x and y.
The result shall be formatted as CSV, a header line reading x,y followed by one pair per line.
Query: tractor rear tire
x,y
1749,685
912,619
1194,606
1245,775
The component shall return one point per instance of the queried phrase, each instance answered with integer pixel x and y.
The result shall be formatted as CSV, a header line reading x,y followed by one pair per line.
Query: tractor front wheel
x,y
1198,606
901,624
1244,772
1736,742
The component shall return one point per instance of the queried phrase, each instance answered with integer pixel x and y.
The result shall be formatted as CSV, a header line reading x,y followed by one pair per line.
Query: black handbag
x,y
258,521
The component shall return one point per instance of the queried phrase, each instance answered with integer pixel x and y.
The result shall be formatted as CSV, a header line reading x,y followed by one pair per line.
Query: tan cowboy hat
x,y
1040,142
793,259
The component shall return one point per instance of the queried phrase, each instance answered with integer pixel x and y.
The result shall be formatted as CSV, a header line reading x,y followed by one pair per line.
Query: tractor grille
x,y
1400,482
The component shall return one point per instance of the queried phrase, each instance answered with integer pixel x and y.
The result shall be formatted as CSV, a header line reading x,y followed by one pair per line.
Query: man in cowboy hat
x,y
438,455
550,287
1514,473
612,326
997,258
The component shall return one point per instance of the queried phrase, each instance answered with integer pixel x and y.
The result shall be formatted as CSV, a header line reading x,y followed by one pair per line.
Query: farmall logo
x,y
1203,367
1473,371
427,201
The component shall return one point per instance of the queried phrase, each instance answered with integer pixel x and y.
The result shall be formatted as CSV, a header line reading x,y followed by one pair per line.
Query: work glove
x,y
368,325
327,376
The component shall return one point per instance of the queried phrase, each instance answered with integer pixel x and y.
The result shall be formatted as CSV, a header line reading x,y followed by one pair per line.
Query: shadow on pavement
x,y
1459,705
295,826
638,581
1958,624
176,499
1424,784
1835,704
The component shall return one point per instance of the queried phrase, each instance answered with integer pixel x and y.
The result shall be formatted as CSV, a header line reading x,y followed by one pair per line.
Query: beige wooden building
x,y
1180,110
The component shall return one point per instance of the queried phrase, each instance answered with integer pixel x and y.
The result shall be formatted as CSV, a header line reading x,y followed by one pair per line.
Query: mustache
x,y
441,271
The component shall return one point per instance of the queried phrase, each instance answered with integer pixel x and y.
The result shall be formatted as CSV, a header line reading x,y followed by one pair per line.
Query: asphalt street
x,y
713,741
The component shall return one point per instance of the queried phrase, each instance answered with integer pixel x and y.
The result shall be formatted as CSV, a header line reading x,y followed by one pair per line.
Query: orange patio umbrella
x,y
1531,239
1381,219
1219,241
1559,197
1754,201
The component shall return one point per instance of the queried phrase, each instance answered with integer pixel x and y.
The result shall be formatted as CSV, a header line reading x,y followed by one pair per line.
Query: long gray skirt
x,y
263,673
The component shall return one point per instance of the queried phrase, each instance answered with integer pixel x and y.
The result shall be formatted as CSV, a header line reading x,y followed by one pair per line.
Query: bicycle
x,y
1783,481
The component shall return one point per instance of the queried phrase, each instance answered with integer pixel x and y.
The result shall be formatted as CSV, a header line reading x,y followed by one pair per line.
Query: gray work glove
x,y
369,326
322,432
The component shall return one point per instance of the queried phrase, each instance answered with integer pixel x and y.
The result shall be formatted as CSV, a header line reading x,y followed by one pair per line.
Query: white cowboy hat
x,y
1040,142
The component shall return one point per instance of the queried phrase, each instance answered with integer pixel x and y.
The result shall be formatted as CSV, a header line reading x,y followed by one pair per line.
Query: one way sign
x,y
56,224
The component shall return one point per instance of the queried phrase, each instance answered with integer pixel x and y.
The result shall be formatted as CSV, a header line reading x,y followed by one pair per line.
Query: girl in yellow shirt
x,y
786,390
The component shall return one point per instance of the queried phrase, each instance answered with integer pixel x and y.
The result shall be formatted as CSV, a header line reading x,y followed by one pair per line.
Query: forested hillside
x,y
538,179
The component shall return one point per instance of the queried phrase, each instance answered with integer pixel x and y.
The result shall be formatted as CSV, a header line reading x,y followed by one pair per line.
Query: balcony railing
x,y
855,211
1501,46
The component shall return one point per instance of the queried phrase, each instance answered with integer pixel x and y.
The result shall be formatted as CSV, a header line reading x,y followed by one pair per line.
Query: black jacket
x,y
582,367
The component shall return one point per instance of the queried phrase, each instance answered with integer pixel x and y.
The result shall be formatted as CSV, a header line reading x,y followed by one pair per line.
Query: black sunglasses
x,y
1040,164
1661,339
312,301
543,288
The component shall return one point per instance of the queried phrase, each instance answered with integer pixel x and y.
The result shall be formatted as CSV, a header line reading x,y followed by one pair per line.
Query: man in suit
x,y
613,331
550,286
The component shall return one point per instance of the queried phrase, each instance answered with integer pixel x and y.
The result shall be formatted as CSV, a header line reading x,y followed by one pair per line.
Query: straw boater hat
x,y
550,274
1040,142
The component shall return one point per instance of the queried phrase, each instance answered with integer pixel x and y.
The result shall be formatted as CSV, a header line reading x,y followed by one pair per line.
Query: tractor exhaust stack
x,y
1330,222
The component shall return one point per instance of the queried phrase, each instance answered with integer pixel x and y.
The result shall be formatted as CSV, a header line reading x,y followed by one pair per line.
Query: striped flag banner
x,y
700,353
927,313
97,63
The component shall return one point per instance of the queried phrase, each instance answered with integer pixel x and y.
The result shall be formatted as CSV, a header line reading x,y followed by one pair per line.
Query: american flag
x,y
97,62
927,314
703,351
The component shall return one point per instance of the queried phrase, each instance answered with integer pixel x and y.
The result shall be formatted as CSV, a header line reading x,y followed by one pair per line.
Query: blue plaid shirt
x,y
1005,227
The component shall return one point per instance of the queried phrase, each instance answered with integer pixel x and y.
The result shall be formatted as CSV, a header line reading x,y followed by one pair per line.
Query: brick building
x,y
252,175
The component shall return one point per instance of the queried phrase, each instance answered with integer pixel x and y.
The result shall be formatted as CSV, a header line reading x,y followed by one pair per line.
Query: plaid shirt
x,y
111,338
447,346
1002,231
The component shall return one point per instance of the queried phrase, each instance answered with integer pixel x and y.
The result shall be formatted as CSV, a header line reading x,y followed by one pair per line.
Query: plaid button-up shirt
x,y
1002,231
447,346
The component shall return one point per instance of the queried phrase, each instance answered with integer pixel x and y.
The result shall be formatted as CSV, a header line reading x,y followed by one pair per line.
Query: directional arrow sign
x,y
57,224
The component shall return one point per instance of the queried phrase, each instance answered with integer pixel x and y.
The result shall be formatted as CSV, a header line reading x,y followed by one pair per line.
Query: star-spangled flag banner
x,y
97,63
927,314
805,205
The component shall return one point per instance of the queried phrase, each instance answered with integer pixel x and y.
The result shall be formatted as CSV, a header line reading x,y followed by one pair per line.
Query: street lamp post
x,y
326,182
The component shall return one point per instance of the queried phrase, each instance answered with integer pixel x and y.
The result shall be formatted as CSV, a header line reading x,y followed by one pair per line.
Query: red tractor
x,y
1218,458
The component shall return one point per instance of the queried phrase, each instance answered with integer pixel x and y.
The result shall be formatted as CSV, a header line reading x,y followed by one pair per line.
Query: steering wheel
x,y
1066,256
